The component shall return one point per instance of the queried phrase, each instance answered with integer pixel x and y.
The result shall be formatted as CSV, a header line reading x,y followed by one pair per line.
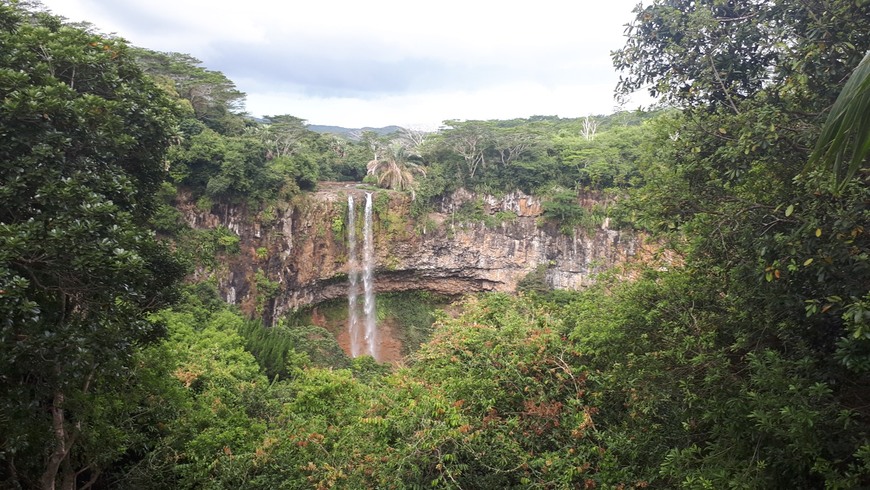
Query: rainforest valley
x,y
672,298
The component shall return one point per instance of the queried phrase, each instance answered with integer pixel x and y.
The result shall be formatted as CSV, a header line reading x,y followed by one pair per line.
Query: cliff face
x,y
297,255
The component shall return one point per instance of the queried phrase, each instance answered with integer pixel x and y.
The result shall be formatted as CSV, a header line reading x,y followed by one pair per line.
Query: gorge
x,y
321,247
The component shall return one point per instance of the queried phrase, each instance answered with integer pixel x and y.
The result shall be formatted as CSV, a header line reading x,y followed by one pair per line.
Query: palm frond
x,y
844,143
392,168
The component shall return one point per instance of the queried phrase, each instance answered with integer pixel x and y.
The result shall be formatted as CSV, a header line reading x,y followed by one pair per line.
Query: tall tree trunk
x,y
61,446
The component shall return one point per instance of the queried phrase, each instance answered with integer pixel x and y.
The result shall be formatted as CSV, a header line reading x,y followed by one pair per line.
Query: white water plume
x,y
363,334
371,327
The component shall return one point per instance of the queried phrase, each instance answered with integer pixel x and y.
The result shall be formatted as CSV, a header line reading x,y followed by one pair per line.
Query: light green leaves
x,y
844,143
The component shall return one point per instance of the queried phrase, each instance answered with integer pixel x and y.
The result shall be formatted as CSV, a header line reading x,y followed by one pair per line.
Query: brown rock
x,y
309,260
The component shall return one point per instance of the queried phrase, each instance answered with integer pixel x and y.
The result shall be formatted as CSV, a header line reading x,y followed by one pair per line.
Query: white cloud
x,y
429,110
381,62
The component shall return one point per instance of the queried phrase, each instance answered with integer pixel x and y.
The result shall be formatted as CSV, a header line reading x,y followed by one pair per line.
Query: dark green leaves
x,y
82,139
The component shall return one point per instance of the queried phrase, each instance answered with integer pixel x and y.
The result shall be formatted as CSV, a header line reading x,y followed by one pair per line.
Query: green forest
x,y
745,365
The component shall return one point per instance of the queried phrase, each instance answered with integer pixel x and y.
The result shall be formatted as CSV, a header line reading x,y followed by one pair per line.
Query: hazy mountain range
x,y
352,133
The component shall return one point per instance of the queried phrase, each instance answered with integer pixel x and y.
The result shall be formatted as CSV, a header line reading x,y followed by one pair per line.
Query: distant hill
x,y
352,133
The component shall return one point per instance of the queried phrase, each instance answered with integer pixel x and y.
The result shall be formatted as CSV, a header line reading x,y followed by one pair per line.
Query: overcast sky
x,y
362,63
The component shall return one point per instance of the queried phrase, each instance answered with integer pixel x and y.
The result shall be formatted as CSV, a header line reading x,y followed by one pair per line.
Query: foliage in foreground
x,y
746,368
651,383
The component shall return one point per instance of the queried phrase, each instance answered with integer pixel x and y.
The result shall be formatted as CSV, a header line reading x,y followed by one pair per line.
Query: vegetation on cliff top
x,y
746,367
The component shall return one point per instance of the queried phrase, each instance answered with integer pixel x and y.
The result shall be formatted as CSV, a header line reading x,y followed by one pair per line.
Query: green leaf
x,y
789,210
844,143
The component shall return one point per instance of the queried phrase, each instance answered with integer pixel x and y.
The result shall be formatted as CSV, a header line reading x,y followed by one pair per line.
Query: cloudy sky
x,y
378,62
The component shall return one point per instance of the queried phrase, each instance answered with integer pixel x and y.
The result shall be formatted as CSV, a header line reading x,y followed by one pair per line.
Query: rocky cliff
x,y
296,254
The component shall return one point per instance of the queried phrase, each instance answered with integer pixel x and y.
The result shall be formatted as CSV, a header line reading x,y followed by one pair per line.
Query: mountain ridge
x,y
352,133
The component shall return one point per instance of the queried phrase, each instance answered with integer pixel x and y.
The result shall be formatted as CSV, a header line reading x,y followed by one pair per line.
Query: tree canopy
x,y
744,363
84,136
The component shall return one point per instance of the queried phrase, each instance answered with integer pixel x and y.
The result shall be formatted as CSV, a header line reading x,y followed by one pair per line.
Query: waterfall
x,y
353,273
371,328
363,335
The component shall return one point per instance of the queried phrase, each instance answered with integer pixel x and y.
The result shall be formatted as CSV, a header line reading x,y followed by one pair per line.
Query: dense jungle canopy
x,y
746,366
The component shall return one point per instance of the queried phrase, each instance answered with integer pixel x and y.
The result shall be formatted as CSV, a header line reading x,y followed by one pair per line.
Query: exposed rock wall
x,y
301,245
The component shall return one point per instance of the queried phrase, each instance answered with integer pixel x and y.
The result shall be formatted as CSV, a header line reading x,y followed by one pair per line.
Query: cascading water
x,y
353,273
363,337
371,328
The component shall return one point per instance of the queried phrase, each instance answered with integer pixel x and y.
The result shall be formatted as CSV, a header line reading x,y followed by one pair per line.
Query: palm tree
x,y
393,169
844,144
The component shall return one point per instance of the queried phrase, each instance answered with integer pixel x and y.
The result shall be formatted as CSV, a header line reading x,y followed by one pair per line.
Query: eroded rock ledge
x,y
301,246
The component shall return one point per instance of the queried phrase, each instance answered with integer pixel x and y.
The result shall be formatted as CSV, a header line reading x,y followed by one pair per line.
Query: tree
x,y
393,169
792,259
590,125
413,139
213,98
511,143
84,134
283,135
712,54
470,140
